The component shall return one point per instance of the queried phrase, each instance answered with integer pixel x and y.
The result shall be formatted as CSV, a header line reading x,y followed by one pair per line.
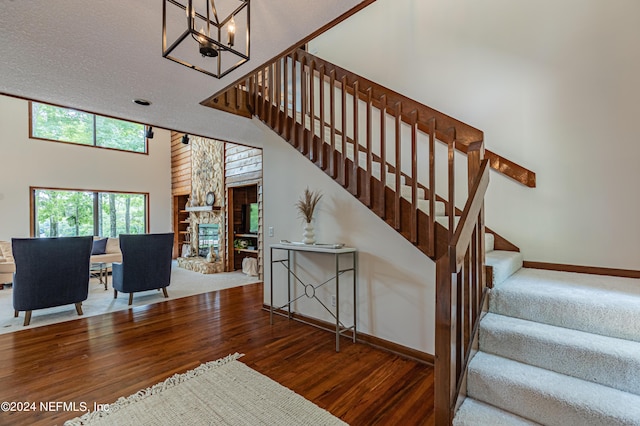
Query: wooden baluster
x,y
285,100
294,94
474,160
414,177
432,186
313,154
345,164
255,87
467,283
368,150
247,98
323,155
271,89
452,191
333,158
278,88
459,320
254,91
398,112
383,157
263,103
303,107
356,140
474,276
265,99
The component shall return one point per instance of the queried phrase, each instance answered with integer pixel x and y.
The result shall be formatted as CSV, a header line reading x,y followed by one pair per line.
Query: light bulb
x,y
231,31
202,35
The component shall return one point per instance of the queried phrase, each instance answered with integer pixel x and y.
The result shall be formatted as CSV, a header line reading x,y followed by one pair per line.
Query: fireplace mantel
x,y
202,208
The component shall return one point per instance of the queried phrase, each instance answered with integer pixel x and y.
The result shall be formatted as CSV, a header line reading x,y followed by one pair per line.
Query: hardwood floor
x,y
99,359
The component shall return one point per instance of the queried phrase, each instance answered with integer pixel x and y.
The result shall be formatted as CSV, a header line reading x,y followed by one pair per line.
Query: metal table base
x,y
310,289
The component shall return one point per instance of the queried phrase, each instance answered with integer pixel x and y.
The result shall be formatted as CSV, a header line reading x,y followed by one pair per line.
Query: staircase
x,y
557,348
398,157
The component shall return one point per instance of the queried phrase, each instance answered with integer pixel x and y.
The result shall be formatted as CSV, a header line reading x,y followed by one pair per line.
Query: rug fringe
x,y
170,382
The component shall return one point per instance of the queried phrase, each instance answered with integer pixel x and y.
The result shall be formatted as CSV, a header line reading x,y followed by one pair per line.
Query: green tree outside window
x,y
68,125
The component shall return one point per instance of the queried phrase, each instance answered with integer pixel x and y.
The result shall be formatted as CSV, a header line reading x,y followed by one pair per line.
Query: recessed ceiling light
x,y
142,102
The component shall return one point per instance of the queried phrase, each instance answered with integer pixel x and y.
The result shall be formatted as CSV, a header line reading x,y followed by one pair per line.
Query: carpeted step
x,y
504,263
605,360
489,242
547,397
476,413
439,208
604,305
444,220
504,267
406,190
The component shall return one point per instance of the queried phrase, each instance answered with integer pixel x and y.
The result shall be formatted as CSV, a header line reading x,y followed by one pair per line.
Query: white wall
x,y
396,281
28,162
554,86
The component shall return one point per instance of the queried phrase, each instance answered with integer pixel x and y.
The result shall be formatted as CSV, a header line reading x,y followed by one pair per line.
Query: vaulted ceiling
x,y
99,56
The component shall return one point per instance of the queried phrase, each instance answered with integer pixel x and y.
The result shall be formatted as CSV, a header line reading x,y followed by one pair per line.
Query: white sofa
x,y
112,252
7,264
8,267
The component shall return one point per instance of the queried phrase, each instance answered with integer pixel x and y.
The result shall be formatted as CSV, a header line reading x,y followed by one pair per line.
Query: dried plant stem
x,y
307,204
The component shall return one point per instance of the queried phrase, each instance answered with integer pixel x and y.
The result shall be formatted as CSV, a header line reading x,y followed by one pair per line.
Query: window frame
x,y
31,135
32,206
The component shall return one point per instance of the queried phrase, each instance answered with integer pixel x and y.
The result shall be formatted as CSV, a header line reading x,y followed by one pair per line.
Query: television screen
x,y
250,218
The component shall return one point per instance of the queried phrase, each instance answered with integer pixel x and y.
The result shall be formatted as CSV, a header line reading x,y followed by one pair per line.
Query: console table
x,y
310,289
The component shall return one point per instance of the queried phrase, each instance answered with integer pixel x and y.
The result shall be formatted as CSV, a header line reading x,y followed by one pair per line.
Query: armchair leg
x,y
115,294
27,317
15,314
164,291
130,298
79,308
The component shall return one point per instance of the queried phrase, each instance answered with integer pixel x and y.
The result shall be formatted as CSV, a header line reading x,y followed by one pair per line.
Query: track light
x,y
185,139
149,133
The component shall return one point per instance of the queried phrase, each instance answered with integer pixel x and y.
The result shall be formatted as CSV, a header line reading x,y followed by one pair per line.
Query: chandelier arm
x,y
215,13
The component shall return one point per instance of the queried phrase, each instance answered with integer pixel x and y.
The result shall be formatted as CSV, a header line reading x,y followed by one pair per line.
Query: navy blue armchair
x,y
146,264
50,272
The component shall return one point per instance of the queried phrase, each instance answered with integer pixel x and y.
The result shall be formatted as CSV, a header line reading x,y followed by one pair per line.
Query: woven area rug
x,y
222,392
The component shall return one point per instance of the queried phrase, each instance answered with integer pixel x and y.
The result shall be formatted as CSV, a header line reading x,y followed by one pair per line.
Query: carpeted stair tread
x,y
475,413
504,263
604,305
439,207
547,397
600,359
489,242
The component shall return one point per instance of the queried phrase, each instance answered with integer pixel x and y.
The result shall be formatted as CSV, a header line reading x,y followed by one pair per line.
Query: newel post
x,y
475,155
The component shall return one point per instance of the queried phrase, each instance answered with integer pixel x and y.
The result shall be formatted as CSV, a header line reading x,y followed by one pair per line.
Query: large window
x,y
68,125
66,213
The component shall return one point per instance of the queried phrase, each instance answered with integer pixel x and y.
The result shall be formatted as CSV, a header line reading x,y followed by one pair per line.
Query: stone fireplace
x,y
206,223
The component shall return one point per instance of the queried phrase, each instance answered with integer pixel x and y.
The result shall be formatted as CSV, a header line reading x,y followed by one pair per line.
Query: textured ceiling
x,y
98,56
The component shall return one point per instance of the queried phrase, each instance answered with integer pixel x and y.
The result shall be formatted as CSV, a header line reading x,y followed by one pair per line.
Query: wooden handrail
x,y
467,136
460,294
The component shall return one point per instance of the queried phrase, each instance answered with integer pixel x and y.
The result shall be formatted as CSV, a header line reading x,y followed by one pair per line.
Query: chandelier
x,y
207,43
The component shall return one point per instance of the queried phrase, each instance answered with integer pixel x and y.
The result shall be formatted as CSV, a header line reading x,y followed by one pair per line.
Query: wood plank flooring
x,y
99,359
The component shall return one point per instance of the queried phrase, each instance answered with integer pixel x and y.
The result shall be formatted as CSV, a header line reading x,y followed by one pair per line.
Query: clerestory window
x,y
54,123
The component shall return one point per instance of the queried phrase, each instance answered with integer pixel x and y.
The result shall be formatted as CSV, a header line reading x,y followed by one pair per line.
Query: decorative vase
x,y
309,235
